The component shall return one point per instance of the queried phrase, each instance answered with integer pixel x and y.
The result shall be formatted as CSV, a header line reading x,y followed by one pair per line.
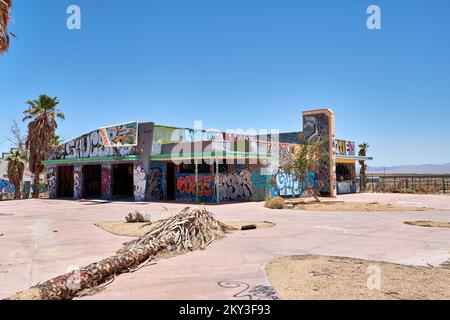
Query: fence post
x,y
443,185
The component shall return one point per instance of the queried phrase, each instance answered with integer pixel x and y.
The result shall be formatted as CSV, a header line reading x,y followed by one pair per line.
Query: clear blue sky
x,y
240,64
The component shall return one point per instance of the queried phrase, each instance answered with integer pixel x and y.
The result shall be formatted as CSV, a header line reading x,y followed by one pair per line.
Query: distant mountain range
x,y
422,168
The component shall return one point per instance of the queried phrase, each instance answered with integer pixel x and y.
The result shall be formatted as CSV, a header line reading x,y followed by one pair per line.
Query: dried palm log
x,y
191,229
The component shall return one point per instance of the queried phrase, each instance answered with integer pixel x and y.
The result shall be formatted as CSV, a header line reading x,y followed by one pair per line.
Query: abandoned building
x,y
149,162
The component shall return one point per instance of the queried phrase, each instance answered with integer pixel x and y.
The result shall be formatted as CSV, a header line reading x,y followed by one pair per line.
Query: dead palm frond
x,y
5,17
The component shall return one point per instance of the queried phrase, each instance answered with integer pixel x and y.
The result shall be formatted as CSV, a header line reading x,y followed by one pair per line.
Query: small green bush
x,y
275,203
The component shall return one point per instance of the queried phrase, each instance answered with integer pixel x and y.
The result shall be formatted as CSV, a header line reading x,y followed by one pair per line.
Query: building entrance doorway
x,y
122,177
65,182
92,181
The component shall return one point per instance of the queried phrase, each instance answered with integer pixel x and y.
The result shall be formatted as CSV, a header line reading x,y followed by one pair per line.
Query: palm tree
x,y
16,167
362,171
5,16
43,115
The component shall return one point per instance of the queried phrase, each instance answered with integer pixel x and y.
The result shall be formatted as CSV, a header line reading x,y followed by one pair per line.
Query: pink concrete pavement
x,y
45,238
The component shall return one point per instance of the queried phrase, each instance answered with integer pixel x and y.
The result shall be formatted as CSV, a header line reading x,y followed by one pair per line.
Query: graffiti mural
x,y
122,135
106,181
186,187
90,146
287,185
351,151
235,186
51,178
316,128
6,186
155,184
139,181
260,185
77,182
244,291
341,147
346,187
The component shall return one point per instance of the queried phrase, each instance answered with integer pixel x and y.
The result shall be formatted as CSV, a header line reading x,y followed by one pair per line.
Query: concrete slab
x,y
46,238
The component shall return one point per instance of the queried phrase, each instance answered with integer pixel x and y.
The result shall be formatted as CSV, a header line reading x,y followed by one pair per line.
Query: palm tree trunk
x,y
17,190
36,186
191,229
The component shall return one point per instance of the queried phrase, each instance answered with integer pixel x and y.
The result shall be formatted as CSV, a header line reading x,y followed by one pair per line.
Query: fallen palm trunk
x,y
189,230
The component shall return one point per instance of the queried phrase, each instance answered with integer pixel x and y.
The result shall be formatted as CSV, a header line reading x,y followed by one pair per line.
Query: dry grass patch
x,y
275,203
336,278
340,206
429,224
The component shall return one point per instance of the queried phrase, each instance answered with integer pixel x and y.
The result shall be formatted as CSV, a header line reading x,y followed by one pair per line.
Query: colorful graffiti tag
x,y
287,185
316,127
351,150
106,181
139,181
346,187
122,135
235,186
51,178
260,185
341,147
187,188
155,184
77,183
90,146
6,186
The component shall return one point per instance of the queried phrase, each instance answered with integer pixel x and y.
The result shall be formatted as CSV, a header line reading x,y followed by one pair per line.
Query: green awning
x,y
91,160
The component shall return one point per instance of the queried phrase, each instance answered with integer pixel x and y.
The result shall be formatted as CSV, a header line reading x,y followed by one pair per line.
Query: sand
x,y
429,224
336,278
139,229
341,206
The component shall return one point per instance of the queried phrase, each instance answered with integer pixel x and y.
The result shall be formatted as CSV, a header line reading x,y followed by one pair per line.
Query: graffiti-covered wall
x,y
236,186
318,126
155,182
287,185
77,182
92,145
106,181
6,187
187,188
52,181
139,181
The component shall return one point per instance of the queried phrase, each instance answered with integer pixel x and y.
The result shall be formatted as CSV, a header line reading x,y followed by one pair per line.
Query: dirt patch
x,y
340,206
429,224
335,278
139,229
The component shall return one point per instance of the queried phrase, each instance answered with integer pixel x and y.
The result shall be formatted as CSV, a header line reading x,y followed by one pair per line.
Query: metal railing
x,y
406,183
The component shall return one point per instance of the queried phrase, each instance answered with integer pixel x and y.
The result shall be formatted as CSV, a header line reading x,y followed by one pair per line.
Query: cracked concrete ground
x,y
46,238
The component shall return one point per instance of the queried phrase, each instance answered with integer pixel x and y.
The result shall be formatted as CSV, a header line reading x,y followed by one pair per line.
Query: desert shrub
x,y
408,191
275,203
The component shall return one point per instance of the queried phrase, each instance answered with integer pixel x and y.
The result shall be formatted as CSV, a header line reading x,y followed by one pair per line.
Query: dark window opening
x,y
171,184
65,182
345,171
92,181
122,180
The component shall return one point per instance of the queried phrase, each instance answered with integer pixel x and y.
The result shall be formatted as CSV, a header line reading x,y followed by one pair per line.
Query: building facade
x,y
149,162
